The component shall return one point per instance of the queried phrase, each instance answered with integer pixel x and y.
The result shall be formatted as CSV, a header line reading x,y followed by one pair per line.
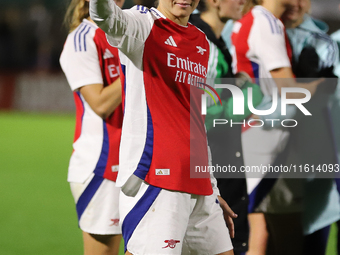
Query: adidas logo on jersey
x,y
170,41
108,54
162,171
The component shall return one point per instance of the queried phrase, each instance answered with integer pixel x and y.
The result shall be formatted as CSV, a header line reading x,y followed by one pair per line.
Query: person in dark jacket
x,y
224,140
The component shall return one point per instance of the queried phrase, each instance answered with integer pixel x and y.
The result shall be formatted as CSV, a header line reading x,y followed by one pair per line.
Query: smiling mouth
x,y
292,12
184,5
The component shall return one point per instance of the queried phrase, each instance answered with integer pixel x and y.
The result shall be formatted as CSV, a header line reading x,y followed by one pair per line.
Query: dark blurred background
x,y
31,34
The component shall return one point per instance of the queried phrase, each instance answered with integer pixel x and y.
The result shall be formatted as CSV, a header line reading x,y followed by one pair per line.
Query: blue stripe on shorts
x,y
137,213
88,194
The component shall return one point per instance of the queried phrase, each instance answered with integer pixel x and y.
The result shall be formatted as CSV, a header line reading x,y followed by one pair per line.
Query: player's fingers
x,y
228,216
225,207
231,227
230,212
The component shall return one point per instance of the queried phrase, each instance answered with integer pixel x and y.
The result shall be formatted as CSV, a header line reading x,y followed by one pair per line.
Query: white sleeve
x,y
212,177
269,43
125,29
81,64
214,184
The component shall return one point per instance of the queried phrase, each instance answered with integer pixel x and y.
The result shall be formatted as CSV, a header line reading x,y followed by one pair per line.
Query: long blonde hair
x,y
250,4
76,12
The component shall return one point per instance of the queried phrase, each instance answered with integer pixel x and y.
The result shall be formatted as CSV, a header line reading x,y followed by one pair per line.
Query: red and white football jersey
x,y
260,45
88,58
163,135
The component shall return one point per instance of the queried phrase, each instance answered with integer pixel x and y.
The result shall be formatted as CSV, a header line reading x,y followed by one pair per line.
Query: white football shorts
x,y
97,203
158,221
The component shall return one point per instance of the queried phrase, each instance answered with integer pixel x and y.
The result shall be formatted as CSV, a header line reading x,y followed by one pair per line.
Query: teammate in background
x,y
225,141
91,67
262,50
314,55
163,210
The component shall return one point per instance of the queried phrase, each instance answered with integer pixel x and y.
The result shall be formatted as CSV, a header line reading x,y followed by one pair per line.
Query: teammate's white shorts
x,y
158,221
97,202
261,146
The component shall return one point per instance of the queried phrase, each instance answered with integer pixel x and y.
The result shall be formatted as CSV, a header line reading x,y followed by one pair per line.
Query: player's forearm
x,y
103,100
108,16
110,99
310,86
284,77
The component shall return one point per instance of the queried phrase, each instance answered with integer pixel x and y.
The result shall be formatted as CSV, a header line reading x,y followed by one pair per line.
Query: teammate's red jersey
x,y
260,45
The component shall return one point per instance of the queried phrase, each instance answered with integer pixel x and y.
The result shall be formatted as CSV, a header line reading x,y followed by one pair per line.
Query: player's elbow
x,y
102,111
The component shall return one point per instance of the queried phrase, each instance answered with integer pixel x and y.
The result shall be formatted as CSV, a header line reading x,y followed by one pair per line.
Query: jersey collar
x,y
90,23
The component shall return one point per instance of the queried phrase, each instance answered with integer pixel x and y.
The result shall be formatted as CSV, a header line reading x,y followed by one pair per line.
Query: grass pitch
x,y
37,212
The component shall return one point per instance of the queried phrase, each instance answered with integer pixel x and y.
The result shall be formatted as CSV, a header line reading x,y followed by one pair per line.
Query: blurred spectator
x,y
315,54
31,37
39,19
9,22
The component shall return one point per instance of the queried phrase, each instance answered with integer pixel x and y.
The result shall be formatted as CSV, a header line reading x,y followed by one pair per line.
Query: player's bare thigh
x,y
101,244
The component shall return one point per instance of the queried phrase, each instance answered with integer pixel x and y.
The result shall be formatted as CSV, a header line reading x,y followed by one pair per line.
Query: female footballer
x,y
91,67
165,206
262,49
